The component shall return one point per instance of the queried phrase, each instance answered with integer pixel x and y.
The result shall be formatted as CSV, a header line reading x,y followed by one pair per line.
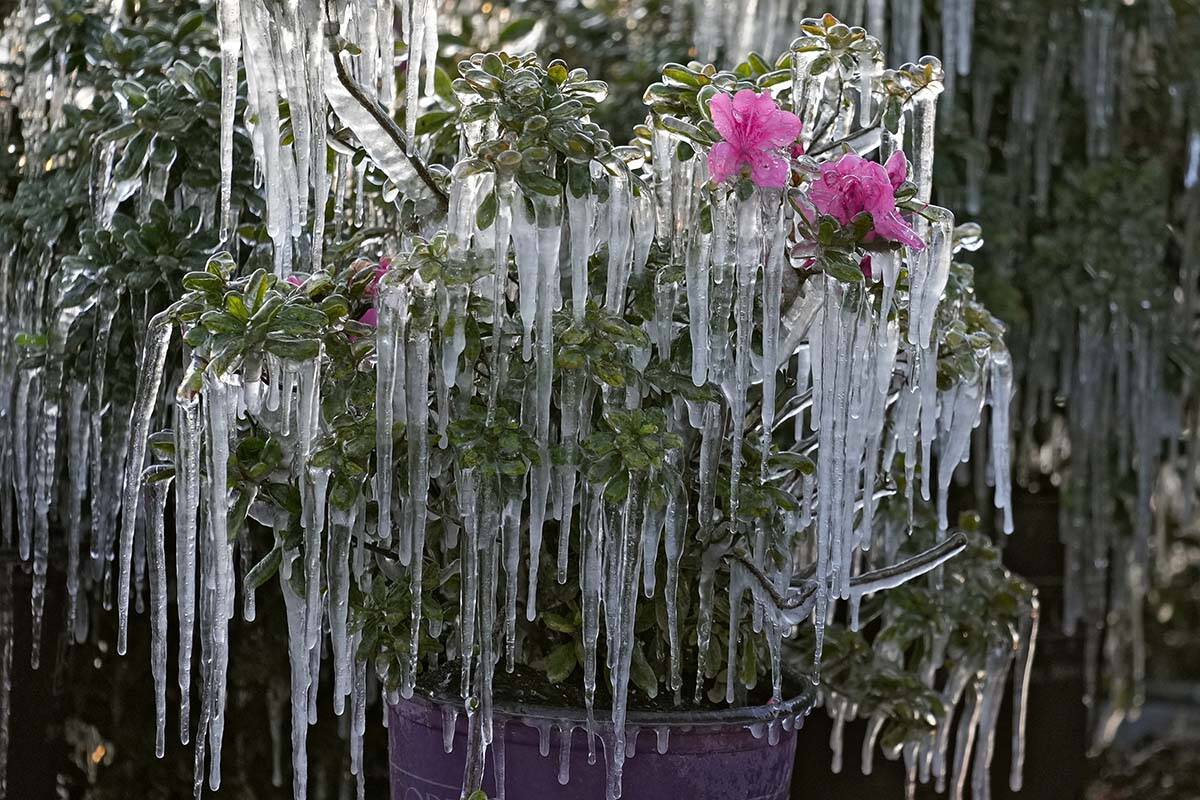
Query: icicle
x,y
154,359
773,234
388,343
338,599
449,728
156,558
748,254
17,439
960,414
418,30
1001,377
839,708
412,540
619,242
581,212
627,568
229,29
930,278
525,251
696,266
511,531
964,741
298,659
1024,662
77,464
358,720
996,672
187,503
675,525
591,581
218,578
549,233
564,753
737,586
923,133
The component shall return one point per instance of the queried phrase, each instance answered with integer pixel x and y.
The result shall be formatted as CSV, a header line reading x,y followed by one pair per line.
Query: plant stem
x,y
389,126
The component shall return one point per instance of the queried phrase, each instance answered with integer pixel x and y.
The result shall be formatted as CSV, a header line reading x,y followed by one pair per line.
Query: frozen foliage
x,y
573,353
587,354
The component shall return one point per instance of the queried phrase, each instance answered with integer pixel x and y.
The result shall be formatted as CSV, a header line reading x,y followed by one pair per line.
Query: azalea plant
x,y
407,473
510,375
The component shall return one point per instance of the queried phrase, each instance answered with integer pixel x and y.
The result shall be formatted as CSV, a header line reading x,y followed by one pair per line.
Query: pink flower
x,y
852,185
371,316
380,271
294,280
755,133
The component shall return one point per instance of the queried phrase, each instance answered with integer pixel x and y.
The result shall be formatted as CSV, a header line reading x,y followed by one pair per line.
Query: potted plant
x,y
688,369
642,288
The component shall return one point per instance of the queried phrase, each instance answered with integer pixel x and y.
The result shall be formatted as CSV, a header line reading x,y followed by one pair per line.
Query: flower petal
x,y
897,169
770,171
724,162
721,108
781,128
893,228
865,266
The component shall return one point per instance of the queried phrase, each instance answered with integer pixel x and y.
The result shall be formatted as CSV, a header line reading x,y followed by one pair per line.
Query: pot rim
x,y
798,705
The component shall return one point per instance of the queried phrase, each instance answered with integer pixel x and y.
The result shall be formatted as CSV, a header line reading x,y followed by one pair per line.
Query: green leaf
x,y
684,76
158,472
203,282
560,663
516,29
188,24
294,349
265,569
486,214
559,622
433,121
841,268
642,674
540,184
133,160
221,322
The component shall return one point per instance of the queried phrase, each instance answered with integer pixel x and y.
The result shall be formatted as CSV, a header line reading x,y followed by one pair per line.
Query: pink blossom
x,y
852,185
294,280
755,133
380,270
371,316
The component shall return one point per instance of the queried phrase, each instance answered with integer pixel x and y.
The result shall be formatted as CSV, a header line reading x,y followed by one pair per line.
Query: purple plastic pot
x,y
731,754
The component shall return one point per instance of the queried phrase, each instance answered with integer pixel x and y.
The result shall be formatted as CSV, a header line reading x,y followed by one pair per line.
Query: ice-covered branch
x,y
389,127
797,603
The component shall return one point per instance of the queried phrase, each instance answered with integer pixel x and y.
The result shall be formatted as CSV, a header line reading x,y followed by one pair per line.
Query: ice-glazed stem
x,y
385,121
900,574
799,600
